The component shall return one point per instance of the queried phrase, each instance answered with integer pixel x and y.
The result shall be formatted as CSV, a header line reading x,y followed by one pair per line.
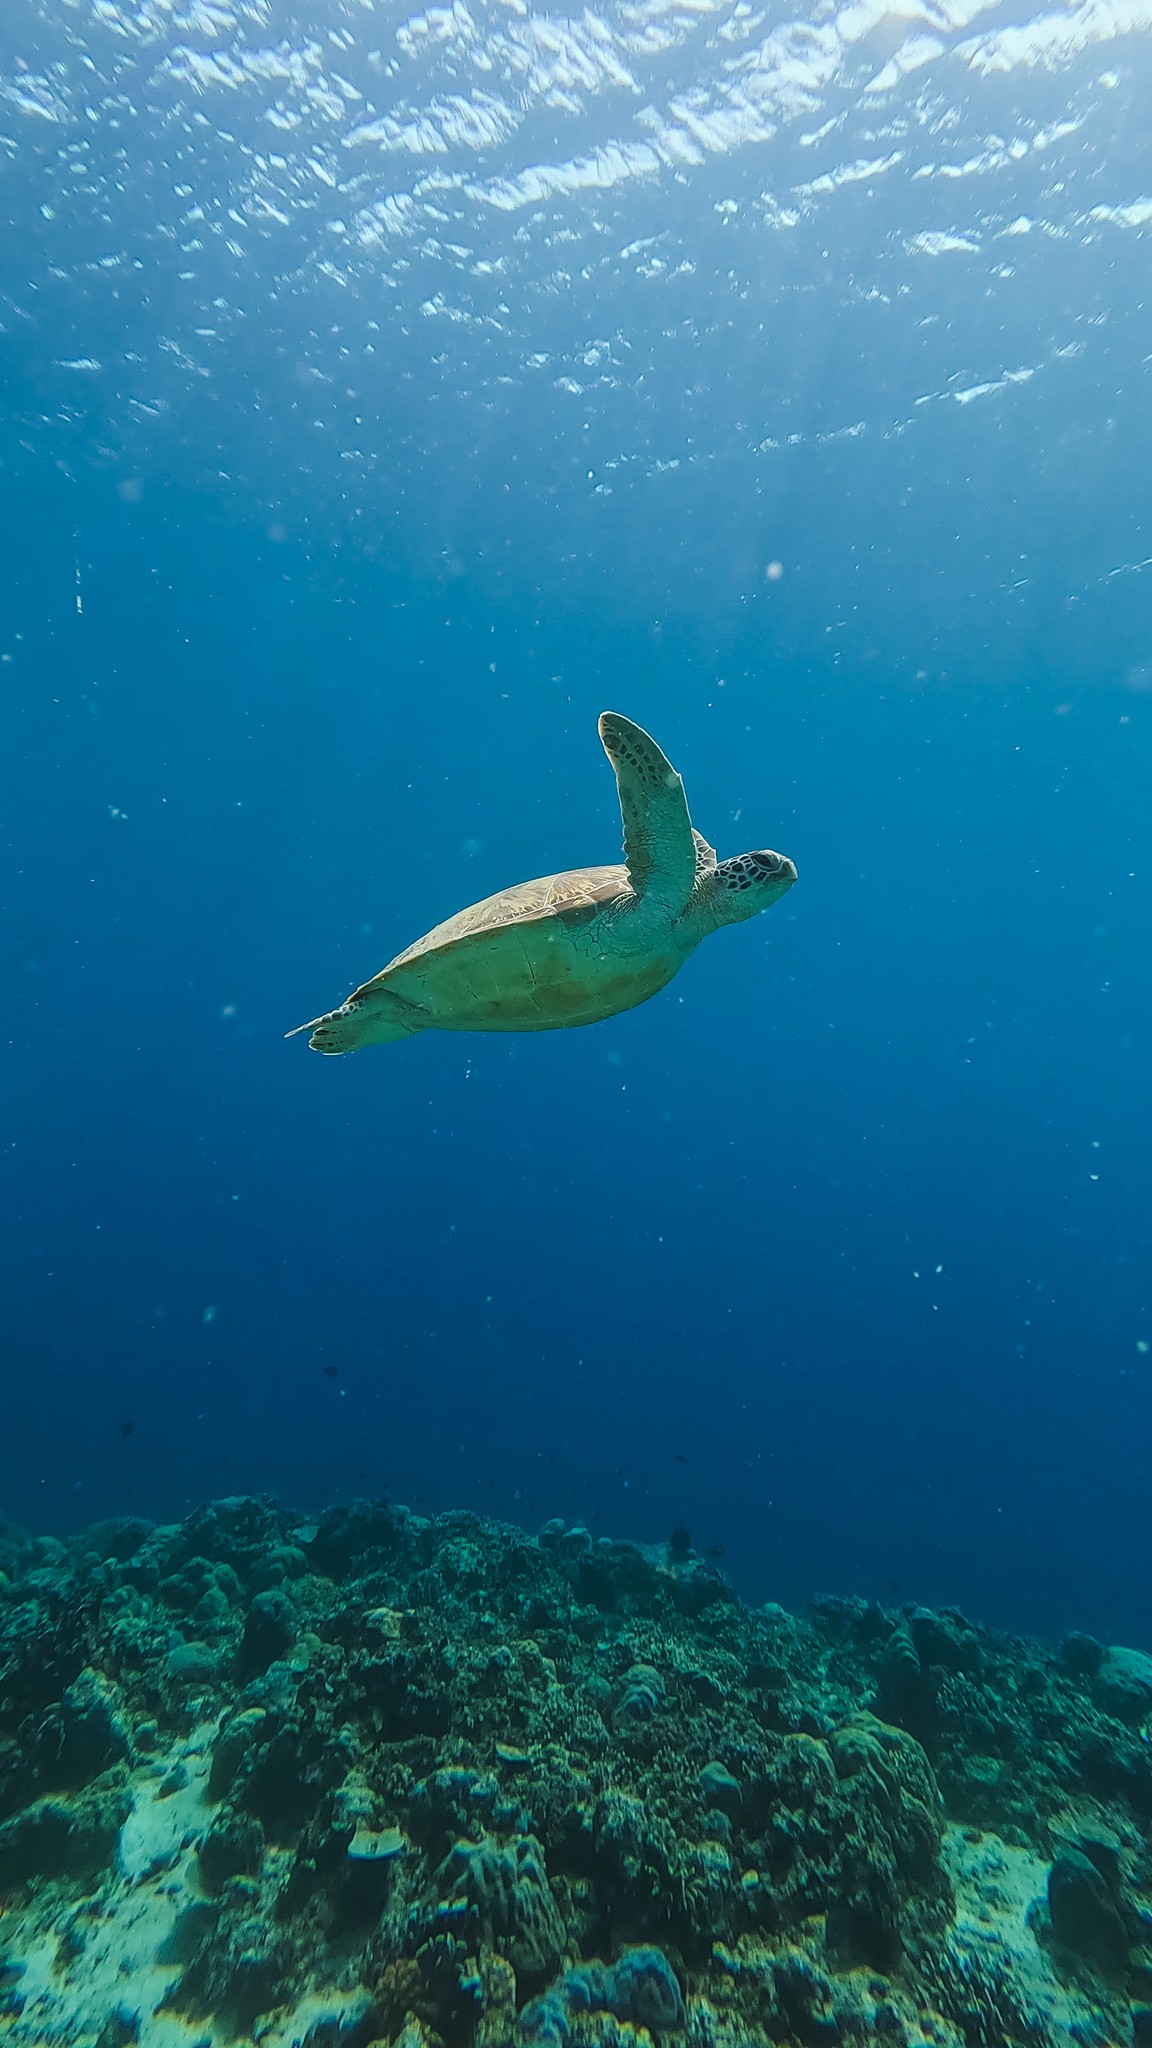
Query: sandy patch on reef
x,y
997,1888
118,1952
85,1964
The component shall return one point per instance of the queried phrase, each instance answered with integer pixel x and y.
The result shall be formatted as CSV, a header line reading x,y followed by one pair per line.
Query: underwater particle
x,y
574,948
773,571
209,1315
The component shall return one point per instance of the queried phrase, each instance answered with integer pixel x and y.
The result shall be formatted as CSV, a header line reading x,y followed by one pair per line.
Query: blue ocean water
x,y
384,396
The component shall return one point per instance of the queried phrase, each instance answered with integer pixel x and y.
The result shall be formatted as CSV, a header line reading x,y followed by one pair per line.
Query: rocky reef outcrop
x,y
380,1779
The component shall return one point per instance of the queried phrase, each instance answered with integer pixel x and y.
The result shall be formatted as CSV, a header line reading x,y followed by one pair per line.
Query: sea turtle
x,y
571,948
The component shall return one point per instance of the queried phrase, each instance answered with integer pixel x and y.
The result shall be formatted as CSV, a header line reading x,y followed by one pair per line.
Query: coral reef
x,y
381,1781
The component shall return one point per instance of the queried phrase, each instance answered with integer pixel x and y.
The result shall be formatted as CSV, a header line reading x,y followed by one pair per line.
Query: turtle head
x,y
748,884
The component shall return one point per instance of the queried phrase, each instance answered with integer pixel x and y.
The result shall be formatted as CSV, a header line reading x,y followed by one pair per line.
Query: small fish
x,y
126,1428
681,1459
331,1372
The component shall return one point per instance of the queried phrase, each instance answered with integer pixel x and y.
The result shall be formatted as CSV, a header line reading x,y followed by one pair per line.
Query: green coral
x,y
445,1775
506,1885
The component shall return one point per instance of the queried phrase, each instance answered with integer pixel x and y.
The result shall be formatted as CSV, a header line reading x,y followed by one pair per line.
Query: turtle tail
x,y
371,1016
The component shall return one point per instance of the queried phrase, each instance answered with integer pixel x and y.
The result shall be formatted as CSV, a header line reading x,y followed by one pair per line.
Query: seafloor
x,y
440,1784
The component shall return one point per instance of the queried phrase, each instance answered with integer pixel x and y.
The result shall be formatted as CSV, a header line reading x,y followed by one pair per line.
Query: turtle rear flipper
x,y
371,1016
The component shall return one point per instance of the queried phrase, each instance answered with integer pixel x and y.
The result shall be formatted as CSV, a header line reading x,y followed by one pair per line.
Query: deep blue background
x,y
839,1250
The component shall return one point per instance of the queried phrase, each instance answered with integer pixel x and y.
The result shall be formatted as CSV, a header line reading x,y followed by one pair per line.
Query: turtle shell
x,y
572,898
527,959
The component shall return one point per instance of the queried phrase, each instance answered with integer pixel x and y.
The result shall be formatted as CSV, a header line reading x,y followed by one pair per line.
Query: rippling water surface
x,y
639,229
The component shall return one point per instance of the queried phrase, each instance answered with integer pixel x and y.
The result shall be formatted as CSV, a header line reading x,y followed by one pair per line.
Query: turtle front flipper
x,y
659,846
372,1015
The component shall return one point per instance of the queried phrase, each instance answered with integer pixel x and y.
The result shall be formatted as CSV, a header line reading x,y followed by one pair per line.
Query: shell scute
x,y
573,898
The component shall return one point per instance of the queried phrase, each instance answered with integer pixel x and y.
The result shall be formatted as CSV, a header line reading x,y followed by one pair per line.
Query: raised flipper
x,y
659,845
